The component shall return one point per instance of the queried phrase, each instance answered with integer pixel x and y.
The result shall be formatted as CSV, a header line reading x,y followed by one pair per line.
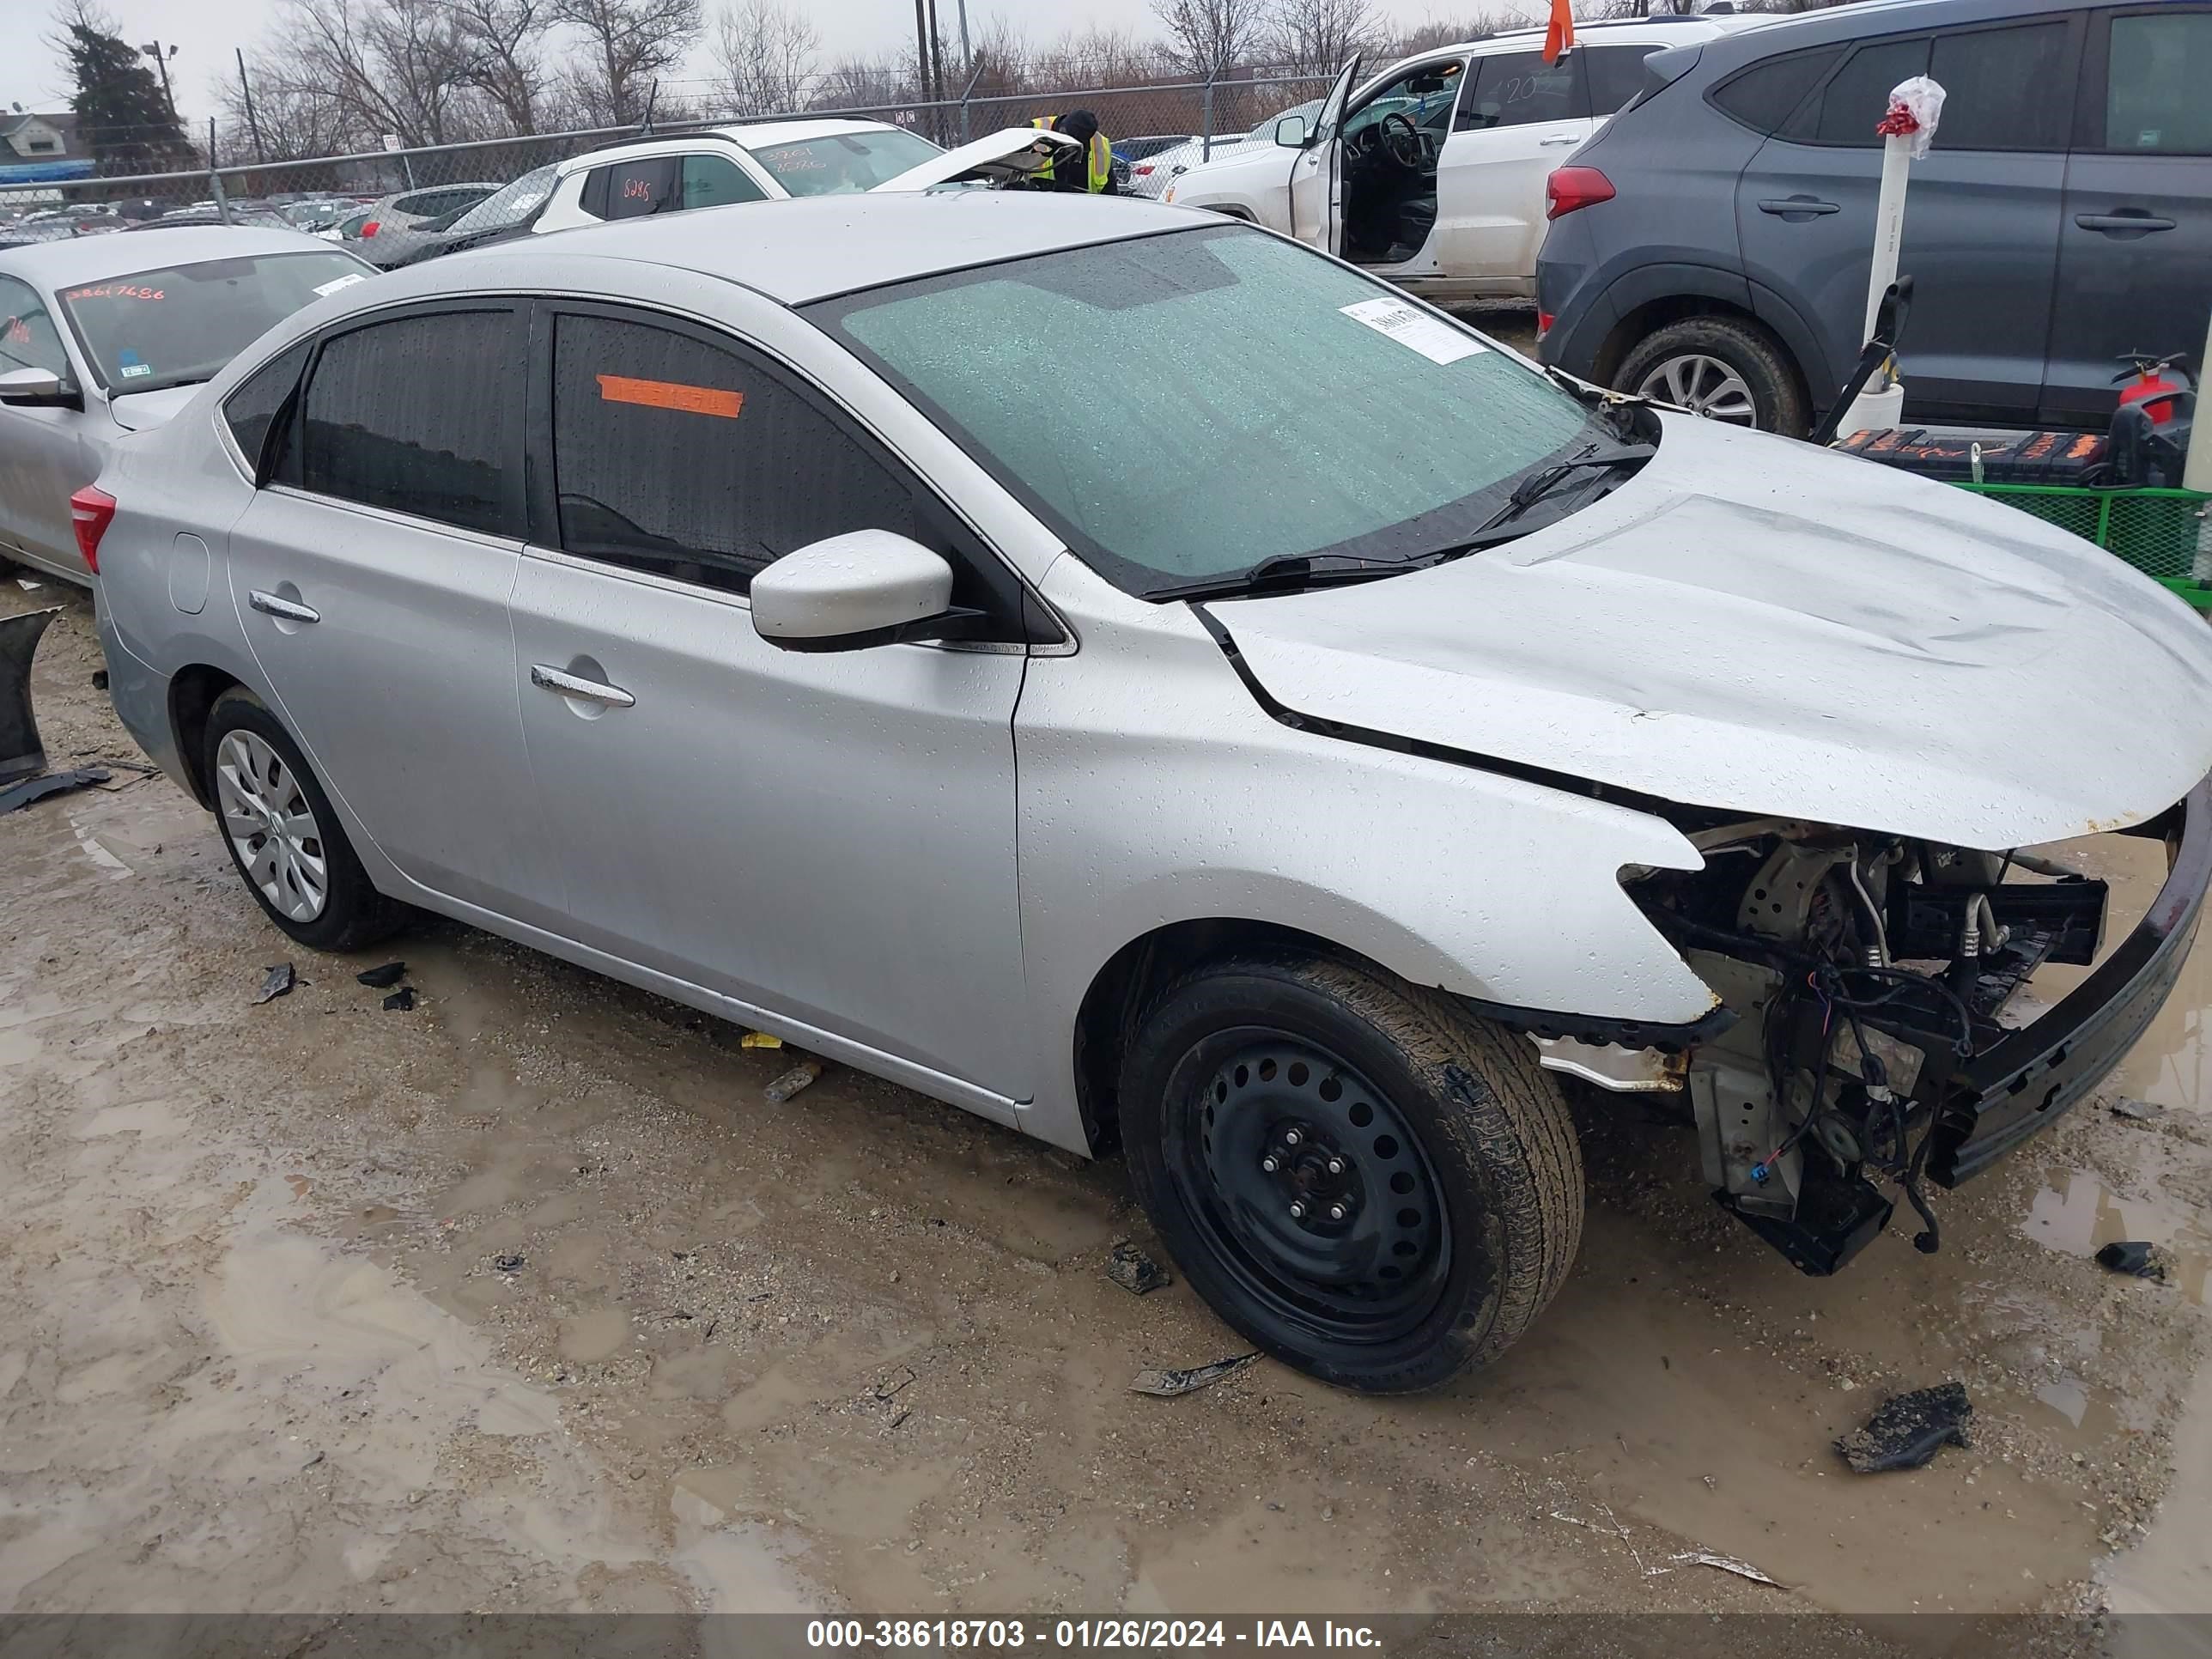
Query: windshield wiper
x,y
1534,488
1283,573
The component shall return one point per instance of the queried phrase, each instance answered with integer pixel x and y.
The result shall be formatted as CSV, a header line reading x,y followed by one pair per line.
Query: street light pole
x,y
153,50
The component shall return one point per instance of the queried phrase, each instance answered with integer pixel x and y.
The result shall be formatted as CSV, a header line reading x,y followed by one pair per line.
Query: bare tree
x,y
856,82
765,56
505,38
1316,37
627,45
1207,37
384,66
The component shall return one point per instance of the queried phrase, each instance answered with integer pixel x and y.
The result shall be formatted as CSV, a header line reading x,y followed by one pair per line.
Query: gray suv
x,y
1709,246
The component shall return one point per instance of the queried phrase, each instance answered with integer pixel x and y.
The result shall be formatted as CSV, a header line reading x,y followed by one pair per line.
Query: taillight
x,y
369,229
1142,168
1570,188
1544,321
91,510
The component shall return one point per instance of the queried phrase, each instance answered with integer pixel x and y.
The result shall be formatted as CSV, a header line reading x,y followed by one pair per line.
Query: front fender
x,y
1155,790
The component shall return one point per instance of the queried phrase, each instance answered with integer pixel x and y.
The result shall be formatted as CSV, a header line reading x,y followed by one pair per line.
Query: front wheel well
x,y
1648,319
192,693
1121,990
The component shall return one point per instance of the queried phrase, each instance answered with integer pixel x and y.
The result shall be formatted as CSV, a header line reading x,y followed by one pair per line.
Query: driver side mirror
x,y
1290,133
866,587
39,388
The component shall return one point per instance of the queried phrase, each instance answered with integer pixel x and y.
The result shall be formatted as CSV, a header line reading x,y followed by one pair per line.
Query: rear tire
x,y
1457,1208
1715,365
288,844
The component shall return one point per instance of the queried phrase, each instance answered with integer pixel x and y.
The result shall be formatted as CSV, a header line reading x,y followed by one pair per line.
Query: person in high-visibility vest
x,y
1097,175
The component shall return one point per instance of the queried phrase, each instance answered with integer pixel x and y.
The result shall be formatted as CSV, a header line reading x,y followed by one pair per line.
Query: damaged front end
x,y
1878,1039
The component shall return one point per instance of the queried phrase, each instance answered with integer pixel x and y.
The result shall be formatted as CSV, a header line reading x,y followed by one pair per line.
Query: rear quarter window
x,y
1765,96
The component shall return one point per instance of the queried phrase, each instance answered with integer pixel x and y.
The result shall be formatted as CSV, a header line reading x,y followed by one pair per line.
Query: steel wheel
x,y
271,824
1704,385
1313,1188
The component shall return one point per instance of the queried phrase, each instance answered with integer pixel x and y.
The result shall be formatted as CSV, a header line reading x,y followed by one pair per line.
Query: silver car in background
x,y
803,648
101,335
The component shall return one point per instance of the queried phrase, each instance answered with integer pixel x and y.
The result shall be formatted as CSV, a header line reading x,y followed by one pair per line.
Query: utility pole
x,y
246,91
922,51
153,50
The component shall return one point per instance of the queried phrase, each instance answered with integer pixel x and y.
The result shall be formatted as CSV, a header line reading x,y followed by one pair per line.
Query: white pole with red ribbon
x,y
1907,129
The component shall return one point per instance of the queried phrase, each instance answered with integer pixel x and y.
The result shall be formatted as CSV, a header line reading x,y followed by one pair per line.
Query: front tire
x,y
286,841
1376,1187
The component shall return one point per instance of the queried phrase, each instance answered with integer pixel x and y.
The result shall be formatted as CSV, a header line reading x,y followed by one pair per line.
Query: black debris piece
x,y
21,754
2133,1256
384,978
16,796
1909,1429
1135,1271
507,1264
280,981
1167,1384
99,679
400,1000
2138,1111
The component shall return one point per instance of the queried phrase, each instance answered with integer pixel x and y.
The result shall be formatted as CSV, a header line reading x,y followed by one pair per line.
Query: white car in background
x,y
1431,174
1151,176
101,336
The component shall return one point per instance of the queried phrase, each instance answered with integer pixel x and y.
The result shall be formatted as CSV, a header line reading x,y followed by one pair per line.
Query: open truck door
x,y
1317,170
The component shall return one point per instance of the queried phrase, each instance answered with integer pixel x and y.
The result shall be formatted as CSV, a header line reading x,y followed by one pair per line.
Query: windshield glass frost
x,y
1184,406
845,162
182,323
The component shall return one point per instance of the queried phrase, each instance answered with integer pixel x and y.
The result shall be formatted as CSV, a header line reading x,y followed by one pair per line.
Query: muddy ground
x,y
526,1298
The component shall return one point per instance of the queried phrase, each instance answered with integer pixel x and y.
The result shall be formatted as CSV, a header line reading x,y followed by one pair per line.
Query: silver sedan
x,y
756,605
101,336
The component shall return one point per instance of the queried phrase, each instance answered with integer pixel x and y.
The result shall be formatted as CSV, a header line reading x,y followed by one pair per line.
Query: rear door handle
x,y
270,605
2122,223
1560,139
559,680
1789,207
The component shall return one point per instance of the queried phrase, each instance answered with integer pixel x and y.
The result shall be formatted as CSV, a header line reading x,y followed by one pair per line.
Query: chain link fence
x,y
1209,112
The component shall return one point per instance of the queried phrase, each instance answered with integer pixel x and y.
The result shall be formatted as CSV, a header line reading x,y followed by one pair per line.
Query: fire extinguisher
x,y
2157,383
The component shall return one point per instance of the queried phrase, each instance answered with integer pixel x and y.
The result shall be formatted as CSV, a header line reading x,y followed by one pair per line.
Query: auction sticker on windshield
x,y
337,282
1416,330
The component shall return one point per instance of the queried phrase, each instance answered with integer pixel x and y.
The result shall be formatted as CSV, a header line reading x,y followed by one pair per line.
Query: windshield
x,y
1266,130
1185,406
510,204
845,162
181,324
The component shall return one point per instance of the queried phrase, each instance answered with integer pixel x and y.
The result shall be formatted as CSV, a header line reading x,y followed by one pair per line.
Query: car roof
x,y
88,258
818,245
1666,28
1867,18
745,135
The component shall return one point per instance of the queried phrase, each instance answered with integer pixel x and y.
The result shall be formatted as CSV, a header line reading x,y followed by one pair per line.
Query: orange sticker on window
x,y
671,394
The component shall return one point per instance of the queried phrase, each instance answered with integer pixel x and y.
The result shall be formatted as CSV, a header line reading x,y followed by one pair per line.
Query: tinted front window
x,y
677,457
421,415
2158,95
1765,95
251,410
716,181
849,161
1304,402
27,339
181,324
2003,88
1855,100
1615,75
1519,88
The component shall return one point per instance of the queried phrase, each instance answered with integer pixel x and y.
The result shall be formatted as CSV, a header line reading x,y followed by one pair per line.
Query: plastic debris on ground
x,y
508,1264
798,1077
1726,1564
99,679
2133,1256
760,1040
384,978
1134,1271
279,982
400,1000
16,796
1167,1384
2137,1111
1909,1429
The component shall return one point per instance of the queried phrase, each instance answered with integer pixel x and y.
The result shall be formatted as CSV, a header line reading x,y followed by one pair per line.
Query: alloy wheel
x,y
270,822
1704,385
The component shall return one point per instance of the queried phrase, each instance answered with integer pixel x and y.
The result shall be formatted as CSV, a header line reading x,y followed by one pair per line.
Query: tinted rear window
x,y
1765,96
253,407
1616,74
1852,105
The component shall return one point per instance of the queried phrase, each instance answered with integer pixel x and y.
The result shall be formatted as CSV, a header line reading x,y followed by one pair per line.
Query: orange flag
x,y
1559,33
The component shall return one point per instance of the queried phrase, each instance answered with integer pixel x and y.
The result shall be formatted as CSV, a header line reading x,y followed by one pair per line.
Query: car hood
x,y
1754,624
141,412
1010,153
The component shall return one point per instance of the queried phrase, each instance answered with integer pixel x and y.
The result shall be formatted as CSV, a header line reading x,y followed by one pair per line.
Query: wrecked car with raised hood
x,y
805,650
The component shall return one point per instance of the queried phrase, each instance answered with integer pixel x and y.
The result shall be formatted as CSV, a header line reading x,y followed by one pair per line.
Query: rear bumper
x,y
2020,1086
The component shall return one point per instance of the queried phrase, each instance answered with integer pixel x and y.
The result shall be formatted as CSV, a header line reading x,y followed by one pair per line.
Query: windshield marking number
x,y
1416,330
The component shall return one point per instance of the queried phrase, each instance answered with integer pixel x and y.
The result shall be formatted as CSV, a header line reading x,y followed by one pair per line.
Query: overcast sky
x,y
205,33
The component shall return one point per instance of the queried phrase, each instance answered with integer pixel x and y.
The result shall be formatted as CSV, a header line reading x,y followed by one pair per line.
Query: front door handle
x,y
1797,207
2122,224
288,610
566,684
1549,139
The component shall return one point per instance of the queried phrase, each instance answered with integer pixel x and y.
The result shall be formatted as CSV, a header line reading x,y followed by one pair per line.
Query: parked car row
x,y
1690,200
